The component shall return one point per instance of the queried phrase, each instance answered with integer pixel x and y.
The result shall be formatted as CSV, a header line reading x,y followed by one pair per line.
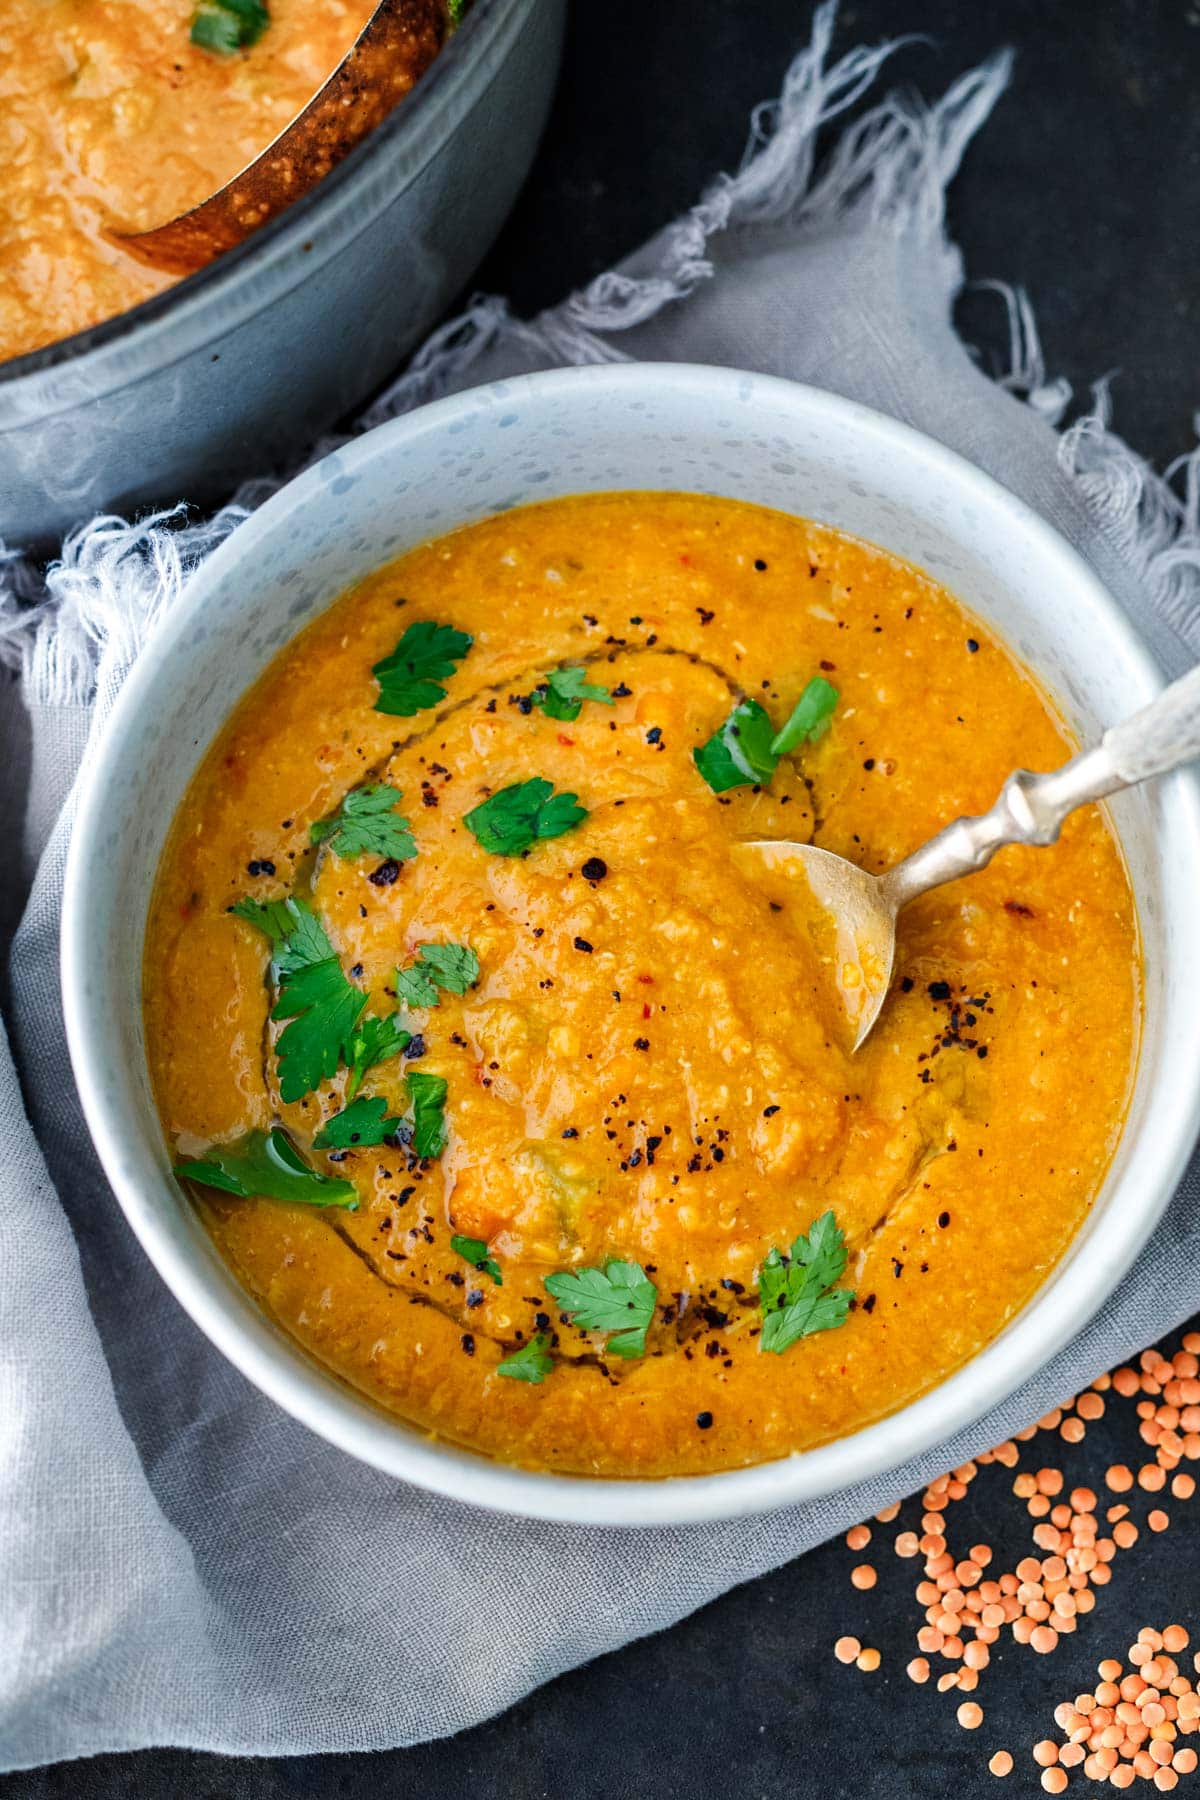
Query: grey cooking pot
x,y
230,372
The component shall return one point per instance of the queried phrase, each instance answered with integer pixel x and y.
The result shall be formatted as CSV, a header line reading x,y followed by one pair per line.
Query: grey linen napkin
x,y
182,1564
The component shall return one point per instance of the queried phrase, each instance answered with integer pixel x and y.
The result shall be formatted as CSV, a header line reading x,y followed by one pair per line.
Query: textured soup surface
x,y
650,1065
111,118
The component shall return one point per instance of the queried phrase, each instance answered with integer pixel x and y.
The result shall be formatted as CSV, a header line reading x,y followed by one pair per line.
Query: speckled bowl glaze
x,y
630,426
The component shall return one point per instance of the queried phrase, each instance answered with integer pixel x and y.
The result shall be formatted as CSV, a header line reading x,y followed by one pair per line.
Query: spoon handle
x,y
1031,808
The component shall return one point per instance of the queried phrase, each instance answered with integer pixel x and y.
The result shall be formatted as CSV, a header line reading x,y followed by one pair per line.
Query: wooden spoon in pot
x,y
391,53
851,915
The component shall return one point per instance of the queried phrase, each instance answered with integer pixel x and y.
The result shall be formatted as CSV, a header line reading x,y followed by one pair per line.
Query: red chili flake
x,y
564,739
647,979
646,1009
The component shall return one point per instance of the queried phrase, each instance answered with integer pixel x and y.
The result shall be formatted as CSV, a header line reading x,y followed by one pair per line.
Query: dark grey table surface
x,y
1082,188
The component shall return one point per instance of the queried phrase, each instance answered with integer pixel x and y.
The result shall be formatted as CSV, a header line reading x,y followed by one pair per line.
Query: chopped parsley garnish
x,y
410,678
367,824
428,1096
364,1122
739,753
475,1251
321,1002
514,819
454,967
227,26
810,717
796,1292
619,1298
745,750
562,692
530,1363
267,1163
374,1041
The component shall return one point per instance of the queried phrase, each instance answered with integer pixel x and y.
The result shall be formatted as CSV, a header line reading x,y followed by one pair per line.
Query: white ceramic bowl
x,y
628,426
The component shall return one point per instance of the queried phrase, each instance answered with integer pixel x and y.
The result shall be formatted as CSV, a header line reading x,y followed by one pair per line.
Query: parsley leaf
x,y
374,1040
428,1096
562,692
529,1363
321,1002
226,26
475,1251
619,1298
454,967
740,752
515,818
269,1164
323,1007
366,823
810,717
410,678
363,1122
796,1291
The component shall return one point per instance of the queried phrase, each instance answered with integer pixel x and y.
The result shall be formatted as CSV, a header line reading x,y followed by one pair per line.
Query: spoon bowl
x,y
850,916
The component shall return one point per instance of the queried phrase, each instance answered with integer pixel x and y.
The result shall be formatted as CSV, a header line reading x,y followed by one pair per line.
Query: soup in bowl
x,y
515,1139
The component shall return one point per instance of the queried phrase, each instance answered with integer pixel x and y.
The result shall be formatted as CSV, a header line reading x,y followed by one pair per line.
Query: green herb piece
x,y
454,967
619,1298
562,692
530,1363
475,1251
323,1007
268,1163
739,753
373,1041
456,12
321,1002
276,919
796,1292
363,1123
810,717
515,818
428,1096
226,26
410,678
366,824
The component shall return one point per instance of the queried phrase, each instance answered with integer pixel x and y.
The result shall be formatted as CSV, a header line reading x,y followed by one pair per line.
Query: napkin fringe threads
x,y
82,621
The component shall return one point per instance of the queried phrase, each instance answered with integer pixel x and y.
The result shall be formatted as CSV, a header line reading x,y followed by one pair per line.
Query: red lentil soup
x,y
513,1097
118,115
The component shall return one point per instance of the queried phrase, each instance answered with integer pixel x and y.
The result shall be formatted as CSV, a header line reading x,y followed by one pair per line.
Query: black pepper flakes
x,y
387,873
594,869
260,865
582,944
468,1343
704,1421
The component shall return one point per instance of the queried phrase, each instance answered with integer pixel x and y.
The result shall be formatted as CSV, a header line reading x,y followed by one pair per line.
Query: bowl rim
x,y
1068,1299
279,243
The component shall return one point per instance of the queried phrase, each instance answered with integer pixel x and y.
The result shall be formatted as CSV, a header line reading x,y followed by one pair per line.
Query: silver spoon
x,y
858,911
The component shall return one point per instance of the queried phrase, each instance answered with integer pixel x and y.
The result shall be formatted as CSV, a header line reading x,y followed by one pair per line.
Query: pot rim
x,y
200,307
1072,1293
